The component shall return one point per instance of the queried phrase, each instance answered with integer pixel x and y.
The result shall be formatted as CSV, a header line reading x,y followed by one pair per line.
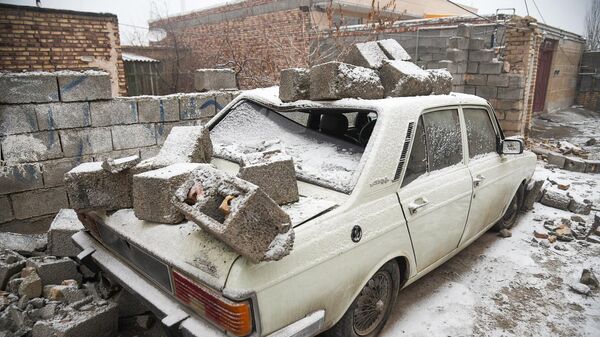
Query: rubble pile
x,y
370,70
567,156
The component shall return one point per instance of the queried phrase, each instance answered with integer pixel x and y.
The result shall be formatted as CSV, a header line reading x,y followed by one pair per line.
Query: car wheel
x,y
512,212
372,307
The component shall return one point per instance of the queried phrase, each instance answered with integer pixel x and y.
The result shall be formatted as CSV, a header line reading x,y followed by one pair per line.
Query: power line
x,y
538,10
469,11
134,26
526,7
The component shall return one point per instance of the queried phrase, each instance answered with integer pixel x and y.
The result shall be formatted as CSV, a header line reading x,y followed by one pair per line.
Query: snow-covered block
x,y
120,164
574,164
294,84
336,80
393,50
402,78
556,198
367,54
214,79
274,173
153,191
90,187
64,225
236,212
441,81
186,144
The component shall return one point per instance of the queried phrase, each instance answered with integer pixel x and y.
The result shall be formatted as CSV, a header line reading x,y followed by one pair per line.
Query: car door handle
x,y
478,180
418,203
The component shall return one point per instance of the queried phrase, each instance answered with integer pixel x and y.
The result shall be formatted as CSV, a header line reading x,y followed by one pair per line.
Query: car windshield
x,y
326,146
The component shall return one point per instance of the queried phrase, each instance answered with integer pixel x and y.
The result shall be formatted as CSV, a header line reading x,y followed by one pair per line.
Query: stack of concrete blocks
x,y
253,225
52,122
574,164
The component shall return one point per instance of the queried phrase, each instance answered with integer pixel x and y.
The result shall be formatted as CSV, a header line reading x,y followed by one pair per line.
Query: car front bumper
x,y
176,318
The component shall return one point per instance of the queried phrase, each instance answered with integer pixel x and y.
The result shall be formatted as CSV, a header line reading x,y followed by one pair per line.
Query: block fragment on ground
x,y
64,225
402,78
294,84
98,319
556,198
274,173
10,264
393,50
90,187
367,54
236,212
153,191
441,81
53,270
336,80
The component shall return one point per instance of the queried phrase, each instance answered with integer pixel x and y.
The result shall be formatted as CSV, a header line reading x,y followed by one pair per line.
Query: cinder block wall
x,y
51,122
588,90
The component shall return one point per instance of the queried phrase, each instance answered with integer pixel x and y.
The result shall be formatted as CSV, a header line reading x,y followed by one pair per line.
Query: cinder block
x,y
294,84
90,187
149,152
99,319
64,225
350,82
493,68
483,55
476,43
458,43
63,115
470,89
20,177
592,166
574,164
402,78
498,80
441,81
185,144
461,67
445,64
39,202
532,194
116,111
53,270
54,170
393,50
31,147
196,106
515,81
274,173
222,98
458,79
17,119
367,54
510,93
115,154
486,91
580,206
133,136
556,199
237,213
84,86
10,264
153,191
456,55
79,142
158,109
513,115
464,30
214,79
29,87
509,104
6,213
556,159
475,79
473,67
120,164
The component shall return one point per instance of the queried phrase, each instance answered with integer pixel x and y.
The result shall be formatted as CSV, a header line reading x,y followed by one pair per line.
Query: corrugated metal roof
x,y
129,57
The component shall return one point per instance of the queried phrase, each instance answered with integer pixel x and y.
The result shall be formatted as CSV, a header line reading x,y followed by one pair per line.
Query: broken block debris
x,y
184,144
393,50
10,264
64,225
402,78
53,270
336,80
90,187
120,164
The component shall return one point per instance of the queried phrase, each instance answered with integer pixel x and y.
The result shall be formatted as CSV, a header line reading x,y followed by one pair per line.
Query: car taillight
x,y
235,317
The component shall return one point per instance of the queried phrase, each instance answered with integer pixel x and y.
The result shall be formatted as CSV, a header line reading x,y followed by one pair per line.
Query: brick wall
x,y
35,39
62,119
588,89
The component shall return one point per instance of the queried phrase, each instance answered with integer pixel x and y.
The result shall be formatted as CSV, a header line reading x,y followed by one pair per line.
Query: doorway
x,y
543,74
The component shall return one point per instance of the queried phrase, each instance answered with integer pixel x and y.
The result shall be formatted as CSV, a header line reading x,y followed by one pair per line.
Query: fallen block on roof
x,y
336,80
402,78
441,81
367,54
294,84
91,187
393,50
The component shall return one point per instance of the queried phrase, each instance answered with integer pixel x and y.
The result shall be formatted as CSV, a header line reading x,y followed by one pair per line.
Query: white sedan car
x,y
389,190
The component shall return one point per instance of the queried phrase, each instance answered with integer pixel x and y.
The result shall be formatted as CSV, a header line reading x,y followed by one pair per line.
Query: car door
x,y
488,171
436,189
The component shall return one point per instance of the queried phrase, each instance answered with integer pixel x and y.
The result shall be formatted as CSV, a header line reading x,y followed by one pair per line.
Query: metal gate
x,y
543,74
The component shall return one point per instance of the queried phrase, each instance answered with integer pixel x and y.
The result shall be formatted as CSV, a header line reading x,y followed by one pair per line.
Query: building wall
x,y
40,39
588,89
562,84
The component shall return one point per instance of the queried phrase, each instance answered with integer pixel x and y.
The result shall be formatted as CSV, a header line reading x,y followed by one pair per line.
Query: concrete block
x,y
185,144
472,67
238,213
367,54
115,154
17,119
98,319
133,136
509,104
53,270
26,244
31,286
574,164
222,98
64,225
29,87
458,79
534,189
20,177
456,55
470,89
274,173
402,78
458,43
441,81
515,81
493,68
153,191
39,202
84,86
119,110
498,80
6,213
486,91
445,64
476,44
580,206
158,109
510,93
118,165
31,147
556,198
464,30
196,106
513,115
294,84
461,67
393,50
591,166
89,186
483,55
556,159
149,152
63,115
475,79
10,264
214,79
79,142
336,80
54,171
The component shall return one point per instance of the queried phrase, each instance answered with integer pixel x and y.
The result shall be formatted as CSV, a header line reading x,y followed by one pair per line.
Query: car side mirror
x,y
511,146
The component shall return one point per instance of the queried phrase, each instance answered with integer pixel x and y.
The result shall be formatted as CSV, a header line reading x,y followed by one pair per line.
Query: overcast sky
x,y
568,15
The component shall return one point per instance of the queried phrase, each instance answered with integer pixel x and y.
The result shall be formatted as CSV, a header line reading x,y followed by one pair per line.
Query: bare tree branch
x,y
592,26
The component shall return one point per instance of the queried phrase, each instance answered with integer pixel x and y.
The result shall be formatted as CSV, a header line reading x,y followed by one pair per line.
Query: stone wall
x,y
51,122
43,39
588,90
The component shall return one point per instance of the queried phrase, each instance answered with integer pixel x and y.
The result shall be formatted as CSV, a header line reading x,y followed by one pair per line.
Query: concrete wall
x,y
35,39
588,90
562,84
60,120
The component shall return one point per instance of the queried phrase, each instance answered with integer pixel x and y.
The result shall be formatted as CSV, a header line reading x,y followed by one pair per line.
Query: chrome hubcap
x,y
372,303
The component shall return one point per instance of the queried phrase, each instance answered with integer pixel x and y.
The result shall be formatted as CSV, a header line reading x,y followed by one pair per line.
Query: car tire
x,y
511,215
372,307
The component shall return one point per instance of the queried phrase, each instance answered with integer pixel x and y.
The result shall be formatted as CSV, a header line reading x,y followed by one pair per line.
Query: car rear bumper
x,y
177,319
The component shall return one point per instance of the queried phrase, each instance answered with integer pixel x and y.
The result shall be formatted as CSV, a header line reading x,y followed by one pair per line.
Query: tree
x,y
592,26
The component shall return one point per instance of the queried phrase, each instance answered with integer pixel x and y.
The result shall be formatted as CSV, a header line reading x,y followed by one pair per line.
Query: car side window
x,y
443,137
417,162
480,132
